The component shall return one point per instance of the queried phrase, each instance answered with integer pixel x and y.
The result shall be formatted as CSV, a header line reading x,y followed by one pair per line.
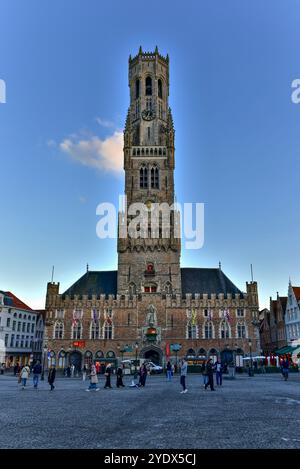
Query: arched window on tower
x,y
148,86
137,88
58,332
143,177
76,330
191,331
94,330
108,330
159,89
225,332
154,178
241,330
208,330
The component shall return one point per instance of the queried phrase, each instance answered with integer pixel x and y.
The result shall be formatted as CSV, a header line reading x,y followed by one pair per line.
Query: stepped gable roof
x,y
206,280
94,283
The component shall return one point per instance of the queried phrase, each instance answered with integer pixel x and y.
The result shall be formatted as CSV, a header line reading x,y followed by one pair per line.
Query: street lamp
x,y
44,359
250,367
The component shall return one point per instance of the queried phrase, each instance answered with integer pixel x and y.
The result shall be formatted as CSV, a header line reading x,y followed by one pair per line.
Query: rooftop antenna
x,y
251,273
52,274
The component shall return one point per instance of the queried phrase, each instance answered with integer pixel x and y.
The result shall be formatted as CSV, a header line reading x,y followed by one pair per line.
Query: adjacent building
x,y
18,325
292,316
272,326
150,307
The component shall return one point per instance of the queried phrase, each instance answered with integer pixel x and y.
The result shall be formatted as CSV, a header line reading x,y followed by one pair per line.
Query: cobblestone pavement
x,y
248,412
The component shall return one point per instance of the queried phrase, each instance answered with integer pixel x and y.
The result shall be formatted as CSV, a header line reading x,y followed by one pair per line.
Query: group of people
x,y
24,373
142,374
207,370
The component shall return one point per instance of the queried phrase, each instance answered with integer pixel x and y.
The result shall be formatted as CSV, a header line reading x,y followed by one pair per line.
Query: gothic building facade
x,y
150,307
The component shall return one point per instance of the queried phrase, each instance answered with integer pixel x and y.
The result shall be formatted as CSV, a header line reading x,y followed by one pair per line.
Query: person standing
x,y
2,368
203,371
108,375
218,368
37,370
51,377
120,377
183,374
169,371
143,375
285,369
210,375
72,370
84,371
93,379
25,375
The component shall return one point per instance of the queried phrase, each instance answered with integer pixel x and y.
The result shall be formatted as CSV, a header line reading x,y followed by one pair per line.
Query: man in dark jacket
x,y
108,374
37,370
120,377
210,375
51,377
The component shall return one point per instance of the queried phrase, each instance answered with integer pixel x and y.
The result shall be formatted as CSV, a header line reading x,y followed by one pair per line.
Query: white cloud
x,y
104,154
105,122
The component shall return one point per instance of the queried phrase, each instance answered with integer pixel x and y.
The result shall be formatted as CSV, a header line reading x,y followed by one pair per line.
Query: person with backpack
x,y
37,370
25,372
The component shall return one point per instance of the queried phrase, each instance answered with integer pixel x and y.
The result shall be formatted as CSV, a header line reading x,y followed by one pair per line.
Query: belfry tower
x,y
150,263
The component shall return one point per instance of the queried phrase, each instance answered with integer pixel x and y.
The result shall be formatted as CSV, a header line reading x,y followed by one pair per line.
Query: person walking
x,y
120,377
218,368
51,377
285,369
210,375
25,372
169,371
108,375
143,375
37,370
93,379
183,374
72,370
203,371
16,369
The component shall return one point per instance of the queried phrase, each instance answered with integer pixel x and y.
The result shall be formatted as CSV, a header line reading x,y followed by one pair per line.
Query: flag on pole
x,y
194,317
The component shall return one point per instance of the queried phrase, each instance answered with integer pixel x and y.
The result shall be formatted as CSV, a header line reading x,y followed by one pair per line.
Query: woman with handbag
x,y
24,375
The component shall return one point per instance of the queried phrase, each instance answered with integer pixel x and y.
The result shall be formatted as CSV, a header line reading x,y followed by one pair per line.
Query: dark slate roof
x,y
206,280
95,283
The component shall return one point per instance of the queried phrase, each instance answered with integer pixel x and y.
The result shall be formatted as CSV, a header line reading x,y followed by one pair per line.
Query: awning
x,y
285,350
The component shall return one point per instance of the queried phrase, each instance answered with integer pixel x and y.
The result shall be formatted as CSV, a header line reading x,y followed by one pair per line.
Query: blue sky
x,y
237,132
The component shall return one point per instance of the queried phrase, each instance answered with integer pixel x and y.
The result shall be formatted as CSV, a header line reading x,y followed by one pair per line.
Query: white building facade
x,y
17,330
292,316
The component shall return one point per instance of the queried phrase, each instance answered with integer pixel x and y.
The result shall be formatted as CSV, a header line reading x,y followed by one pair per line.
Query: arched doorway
x,y
75,359
227,356
152,354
